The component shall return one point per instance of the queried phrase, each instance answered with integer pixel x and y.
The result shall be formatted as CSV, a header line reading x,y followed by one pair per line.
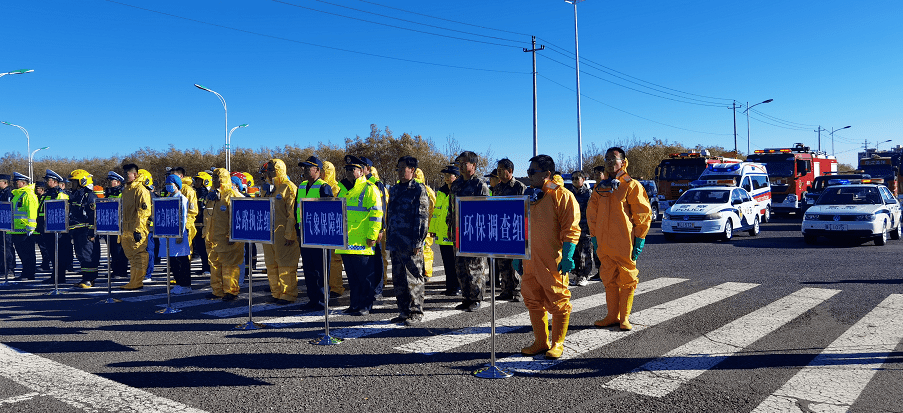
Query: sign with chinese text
x,y
168,218
6,216
252,220
493,227
323,223
56,215
107,213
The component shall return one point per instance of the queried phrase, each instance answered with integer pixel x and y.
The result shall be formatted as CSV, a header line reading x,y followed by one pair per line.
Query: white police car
x,y
850,209
712,210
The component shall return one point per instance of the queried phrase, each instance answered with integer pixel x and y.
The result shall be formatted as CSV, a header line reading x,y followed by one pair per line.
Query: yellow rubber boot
x,y
288,281
137,273
625,305
273,278
612,304
559,330
540,322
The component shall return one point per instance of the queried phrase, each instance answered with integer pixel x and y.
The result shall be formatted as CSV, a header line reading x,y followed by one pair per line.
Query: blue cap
x,y
351,160
451,169
53,175
5,177
174,179
40,184
366,161
19,177
113,175
312,161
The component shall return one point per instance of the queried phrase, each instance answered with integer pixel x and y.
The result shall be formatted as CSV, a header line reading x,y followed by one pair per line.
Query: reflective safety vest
x,y
364,209
25,210
303,193
438,225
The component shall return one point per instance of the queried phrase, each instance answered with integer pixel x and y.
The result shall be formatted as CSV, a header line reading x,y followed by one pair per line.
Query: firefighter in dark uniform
x,y
82,203
120,265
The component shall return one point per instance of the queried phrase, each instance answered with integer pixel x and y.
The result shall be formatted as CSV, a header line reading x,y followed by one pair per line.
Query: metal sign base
x,y
326,340
109,301
167,310
56,291
492,372
250,325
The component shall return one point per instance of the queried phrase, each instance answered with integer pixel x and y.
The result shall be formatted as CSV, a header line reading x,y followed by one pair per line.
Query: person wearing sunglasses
x,y
619,216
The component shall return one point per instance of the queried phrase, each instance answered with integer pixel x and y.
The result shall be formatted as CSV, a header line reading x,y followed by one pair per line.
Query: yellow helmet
x,y
205,178
145,178
249,178
82,177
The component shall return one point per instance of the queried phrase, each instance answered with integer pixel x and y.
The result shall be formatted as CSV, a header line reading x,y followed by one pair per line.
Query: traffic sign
x,y
323,223
252,220
56,215
6,216
167,213
495,227
107,213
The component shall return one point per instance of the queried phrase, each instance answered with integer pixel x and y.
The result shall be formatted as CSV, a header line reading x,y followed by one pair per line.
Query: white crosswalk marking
x,y
585,341
79,389
836,377
458,338
368,329
660,377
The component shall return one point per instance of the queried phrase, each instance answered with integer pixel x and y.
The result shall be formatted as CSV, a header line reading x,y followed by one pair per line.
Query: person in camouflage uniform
x,y
583,257
507,186
407,217
471,270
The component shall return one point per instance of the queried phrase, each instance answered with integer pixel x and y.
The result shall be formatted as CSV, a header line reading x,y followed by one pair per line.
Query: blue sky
x,y
111,78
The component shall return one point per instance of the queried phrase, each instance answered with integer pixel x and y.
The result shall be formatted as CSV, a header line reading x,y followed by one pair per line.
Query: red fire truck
x,y
675,173
885,165
792,171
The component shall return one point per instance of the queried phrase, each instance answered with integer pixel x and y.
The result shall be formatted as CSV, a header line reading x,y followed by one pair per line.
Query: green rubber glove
x,y
595,243
516,264
638,244
567,258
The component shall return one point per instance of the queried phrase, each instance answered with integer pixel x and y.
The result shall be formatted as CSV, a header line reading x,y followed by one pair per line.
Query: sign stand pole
x,y
250,325
56,265
326,340
6,282
168,309
492,372
110,299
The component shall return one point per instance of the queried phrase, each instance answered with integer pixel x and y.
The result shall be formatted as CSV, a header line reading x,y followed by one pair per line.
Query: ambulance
x,y
751,176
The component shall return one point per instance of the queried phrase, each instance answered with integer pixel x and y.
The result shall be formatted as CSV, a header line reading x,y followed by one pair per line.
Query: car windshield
x,y
778,165
674,170
821,182
846,195
705,196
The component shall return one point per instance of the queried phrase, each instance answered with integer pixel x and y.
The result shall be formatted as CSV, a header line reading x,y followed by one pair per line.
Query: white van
x,y
753,177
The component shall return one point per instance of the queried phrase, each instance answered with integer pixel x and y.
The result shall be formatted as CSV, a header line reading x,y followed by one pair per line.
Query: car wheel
x,y
755,228
728,231
670,236
654,213
882,238
810,239
767,217
896,232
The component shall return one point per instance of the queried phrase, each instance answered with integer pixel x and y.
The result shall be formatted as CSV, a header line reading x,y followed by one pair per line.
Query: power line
x,y
394,26
443,19
787,122
776,125
633,114
634,89
314,44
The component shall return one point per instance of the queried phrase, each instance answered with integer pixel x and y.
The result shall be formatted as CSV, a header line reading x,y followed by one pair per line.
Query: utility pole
x,y
535,127
819,136
734,108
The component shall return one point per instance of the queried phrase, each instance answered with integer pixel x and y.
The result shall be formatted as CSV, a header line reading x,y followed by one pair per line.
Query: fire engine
x,y
885,165
792,171
675,173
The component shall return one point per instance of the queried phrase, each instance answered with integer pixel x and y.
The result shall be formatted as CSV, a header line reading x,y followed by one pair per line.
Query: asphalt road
x,y
765,322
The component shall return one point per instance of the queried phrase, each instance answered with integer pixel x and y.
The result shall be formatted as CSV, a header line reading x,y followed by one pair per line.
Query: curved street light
x,y
876,145
747,120
223,100
31,161
229,138
832,138
17,72
28,141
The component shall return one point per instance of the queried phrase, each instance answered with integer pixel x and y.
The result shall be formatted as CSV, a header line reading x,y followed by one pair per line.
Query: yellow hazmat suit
x,y
192,213
616,218
282,256
335,260
556,218
382,242
225,257
428,242
136,209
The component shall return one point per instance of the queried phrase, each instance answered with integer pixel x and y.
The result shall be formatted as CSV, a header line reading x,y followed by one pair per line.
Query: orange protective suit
x,y
282,260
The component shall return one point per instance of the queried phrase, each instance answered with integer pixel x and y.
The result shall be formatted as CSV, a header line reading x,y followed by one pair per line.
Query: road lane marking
x,y
458,338
591,339
662,376
837,376
18,399
79,389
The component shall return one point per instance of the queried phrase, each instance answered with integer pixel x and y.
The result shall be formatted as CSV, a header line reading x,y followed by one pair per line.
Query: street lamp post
x,y
31,161
832,138
17,72
876,145
229,138
28,142
221,99
747,120
577,57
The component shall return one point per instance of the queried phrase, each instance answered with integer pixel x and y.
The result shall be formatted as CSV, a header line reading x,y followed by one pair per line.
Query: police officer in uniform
x,y
313,186
25,214
54,191
439,229
6,243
